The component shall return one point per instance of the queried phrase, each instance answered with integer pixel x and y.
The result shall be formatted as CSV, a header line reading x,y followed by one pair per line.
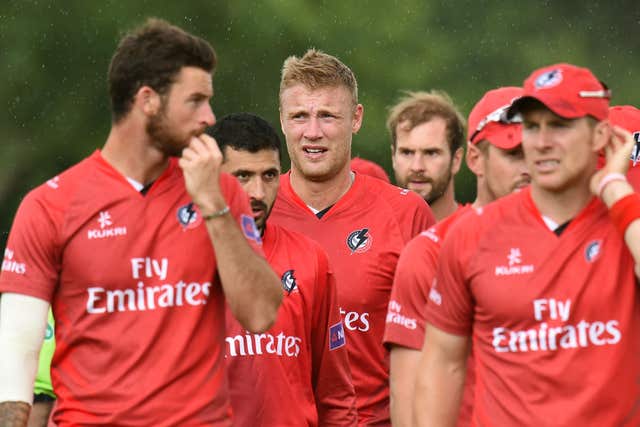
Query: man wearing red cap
x,y
543,280
495,156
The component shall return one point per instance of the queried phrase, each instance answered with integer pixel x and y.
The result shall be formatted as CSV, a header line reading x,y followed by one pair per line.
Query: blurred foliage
x,y
54,57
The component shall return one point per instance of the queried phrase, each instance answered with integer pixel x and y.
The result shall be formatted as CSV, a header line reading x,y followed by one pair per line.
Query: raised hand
x,y
200,163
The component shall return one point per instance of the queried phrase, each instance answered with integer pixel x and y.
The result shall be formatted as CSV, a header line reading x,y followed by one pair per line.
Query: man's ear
x,y
358,115
601,135
148,101
475,160
456,160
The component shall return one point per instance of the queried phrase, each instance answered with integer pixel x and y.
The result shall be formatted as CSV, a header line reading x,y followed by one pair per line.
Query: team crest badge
x,y
289,281
188,216
549,79
249,228
359,241
593,250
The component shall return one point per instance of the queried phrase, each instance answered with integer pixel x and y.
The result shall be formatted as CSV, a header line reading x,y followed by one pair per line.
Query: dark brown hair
x,y
152,55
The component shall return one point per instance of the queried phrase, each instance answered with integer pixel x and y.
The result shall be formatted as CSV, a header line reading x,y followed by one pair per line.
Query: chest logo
x,y
359,241
188,216
515,266
592,250
288,280
107,228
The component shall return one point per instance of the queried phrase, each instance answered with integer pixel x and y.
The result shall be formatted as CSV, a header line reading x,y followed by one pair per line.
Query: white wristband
x,y
608,179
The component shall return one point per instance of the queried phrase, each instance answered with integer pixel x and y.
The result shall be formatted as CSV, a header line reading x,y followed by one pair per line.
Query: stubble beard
x,y
438,188
161,135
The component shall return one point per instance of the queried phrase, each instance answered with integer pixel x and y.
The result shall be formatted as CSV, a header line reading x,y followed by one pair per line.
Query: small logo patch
x,y
107,229
48,333
359,241
336,336
188,216
549,79
635,154
515,265
593,250
250,229
288,280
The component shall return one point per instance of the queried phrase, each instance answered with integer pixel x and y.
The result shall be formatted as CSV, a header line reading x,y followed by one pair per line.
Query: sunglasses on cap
x,y
497,116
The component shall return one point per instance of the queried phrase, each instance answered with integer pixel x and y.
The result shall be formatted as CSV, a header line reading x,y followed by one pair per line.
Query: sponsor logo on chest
x,y
151,292
106,229
553,330
355,321
262,344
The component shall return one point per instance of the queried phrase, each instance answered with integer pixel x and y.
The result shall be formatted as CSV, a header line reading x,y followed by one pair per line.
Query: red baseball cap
x,y
569,91
488,119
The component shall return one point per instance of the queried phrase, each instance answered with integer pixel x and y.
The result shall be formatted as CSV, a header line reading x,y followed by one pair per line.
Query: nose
x,y
417,163
543,138
256,190
312,130
208,117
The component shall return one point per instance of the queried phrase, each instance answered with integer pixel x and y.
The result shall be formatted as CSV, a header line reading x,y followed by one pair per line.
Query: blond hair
x,y
317,69
415,108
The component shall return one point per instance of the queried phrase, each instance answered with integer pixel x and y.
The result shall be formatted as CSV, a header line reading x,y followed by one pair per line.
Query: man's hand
x,y
617,152
200,163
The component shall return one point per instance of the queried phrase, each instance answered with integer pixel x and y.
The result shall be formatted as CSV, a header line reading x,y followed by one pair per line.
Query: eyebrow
x,y
242,172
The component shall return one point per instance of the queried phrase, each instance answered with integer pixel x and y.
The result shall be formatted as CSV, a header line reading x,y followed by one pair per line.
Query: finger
x,y
188,154
622,135
198,147
211,143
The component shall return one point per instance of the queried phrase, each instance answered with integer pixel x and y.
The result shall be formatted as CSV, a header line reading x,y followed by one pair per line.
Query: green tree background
x,y
54,57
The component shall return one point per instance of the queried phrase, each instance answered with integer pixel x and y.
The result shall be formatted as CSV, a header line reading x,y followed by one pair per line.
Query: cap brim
x,y
557,105
504,136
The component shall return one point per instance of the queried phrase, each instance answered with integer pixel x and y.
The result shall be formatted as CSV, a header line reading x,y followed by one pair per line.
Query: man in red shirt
x,y
303,355
362,222
494,155
136,252
427,134
543,280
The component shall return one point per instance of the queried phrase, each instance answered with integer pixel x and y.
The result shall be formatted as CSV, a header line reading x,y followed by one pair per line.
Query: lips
x,y
547,165
314,151
258,207
419,180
